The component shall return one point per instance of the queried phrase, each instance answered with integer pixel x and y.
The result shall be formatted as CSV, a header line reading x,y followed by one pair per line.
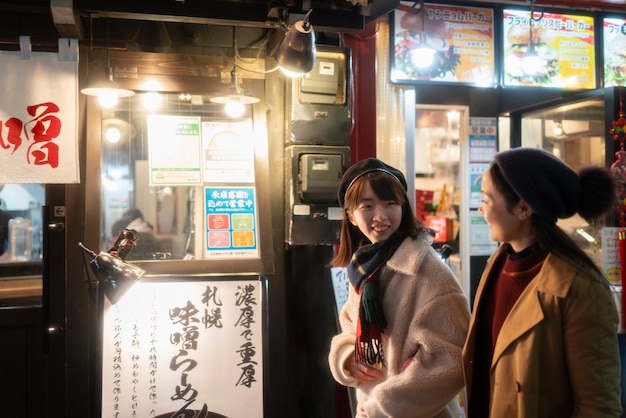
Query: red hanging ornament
x,y
618,169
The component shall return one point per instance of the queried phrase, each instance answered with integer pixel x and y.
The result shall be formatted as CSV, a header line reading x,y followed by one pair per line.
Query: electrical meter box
x,y
320,101
312,176
319,177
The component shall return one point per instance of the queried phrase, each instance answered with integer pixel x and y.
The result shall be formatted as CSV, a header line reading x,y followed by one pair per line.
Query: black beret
x,y
362,168
549,186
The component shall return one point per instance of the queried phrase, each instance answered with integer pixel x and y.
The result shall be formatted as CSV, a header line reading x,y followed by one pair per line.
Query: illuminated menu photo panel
x,y
560,54
614,33
442,43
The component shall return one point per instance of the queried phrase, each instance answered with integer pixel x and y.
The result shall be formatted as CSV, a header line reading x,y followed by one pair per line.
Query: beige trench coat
x,y
557,352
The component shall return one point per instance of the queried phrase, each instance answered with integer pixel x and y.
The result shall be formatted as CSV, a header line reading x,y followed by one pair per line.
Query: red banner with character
x,y
39,115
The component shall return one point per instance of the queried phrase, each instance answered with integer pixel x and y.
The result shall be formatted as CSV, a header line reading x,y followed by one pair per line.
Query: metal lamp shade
x,y
296,53
114,275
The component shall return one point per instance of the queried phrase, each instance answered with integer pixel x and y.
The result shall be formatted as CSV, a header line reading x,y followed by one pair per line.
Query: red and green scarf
x,y
363,273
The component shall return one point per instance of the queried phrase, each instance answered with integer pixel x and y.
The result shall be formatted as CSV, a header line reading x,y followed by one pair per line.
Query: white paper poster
x,y
228,152
174,143
39,115
184,348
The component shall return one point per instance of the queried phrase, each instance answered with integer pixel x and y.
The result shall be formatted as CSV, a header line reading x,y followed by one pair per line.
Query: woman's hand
x,y
362,372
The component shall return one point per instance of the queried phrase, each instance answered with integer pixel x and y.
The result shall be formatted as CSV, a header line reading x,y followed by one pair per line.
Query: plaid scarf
x,y
363,274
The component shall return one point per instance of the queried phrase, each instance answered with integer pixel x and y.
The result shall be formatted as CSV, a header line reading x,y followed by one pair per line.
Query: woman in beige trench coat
x,y
543,334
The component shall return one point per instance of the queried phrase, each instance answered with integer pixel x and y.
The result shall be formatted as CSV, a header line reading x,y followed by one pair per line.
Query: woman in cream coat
x,y
416,370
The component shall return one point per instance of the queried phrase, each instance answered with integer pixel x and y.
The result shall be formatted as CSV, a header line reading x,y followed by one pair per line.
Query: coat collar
x,y
555,277
410,254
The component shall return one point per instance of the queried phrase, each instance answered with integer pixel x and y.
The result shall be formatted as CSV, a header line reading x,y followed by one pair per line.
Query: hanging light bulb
x,y
234,108
531,62
106,90
235,101
424,55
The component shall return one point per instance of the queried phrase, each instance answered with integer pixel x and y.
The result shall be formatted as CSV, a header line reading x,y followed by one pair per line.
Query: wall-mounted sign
x,y
228,152
183,349
483,139
231,222
614,33
480,235
39,115
460,39
174,144
562,43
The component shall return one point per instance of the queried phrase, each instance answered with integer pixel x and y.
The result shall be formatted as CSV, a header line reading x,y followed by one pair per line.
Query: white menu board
x,y
184,348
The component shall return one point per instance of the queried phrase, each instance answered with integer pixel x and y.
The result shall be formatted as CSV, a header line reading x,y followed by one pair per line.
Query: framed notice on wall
x,y
614,53
459,38
185,348
562,43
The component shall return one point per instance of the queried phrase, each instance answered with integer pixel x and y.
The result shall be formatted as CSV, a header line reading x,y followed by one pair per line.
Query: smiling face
x,y
376,218
508,223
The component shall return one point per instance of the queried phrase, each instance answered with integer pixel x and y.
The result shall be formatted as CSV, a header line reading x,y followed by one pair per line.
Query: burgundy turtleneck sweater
x,y
508,279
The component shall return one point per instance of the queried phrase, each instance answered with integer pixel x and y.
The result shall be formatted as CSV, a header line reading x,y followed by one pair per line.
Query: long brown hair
x,y
385,187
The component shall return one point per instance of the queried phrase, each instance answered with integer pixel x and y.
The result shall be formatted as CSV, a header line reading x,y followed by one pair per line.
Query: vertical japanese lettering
x,y
246,301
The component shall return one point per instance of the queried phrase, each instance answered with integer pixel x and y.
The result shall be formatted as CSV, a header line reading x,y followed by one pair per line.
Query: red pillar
x,y
363,92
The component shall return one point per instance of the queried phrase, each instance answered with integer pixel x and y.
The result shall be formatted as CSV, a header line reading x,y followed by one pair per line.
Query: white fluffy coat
x,y
428,317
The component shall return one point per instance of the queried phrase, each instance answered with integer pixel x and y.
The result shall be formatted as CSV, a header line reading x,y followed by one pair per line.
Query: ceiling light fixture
x,y
115,130
531,62
106,90
103,87
424,55
558,129
296,53
234,100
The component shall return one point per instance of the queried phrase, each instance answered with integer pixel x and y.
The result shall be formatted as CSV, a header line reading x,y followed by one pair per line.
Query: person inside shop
x,y
543,335
148,245
406,317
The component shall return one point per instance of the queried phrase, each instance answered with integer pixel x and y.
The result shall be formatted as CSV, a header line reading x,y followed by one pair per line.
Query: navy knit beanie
x,y
549,186
360,169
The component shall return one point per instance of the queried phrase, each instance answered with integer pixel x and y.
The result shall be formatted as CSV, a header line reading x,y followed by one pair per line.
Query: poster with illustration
x,y
614,31
442,43
560,53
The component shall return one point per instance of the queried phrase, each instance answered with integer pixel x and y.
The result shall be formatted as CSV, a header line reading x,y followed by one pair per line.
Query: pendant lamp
x,y
102,85
296,53
235,100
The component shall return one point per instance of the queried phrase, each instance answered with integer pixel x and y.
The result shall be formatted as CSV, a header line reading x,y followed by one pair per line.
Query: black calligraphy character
x,y
175,364
184,391
247,335
245,295
246,318
247,376
189,338
184,315
213,319
246,353
211,295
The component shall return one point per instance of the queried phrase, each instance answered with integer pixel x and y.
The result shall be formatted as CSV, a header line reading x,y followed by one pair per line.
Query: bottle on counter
x,y
20,239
